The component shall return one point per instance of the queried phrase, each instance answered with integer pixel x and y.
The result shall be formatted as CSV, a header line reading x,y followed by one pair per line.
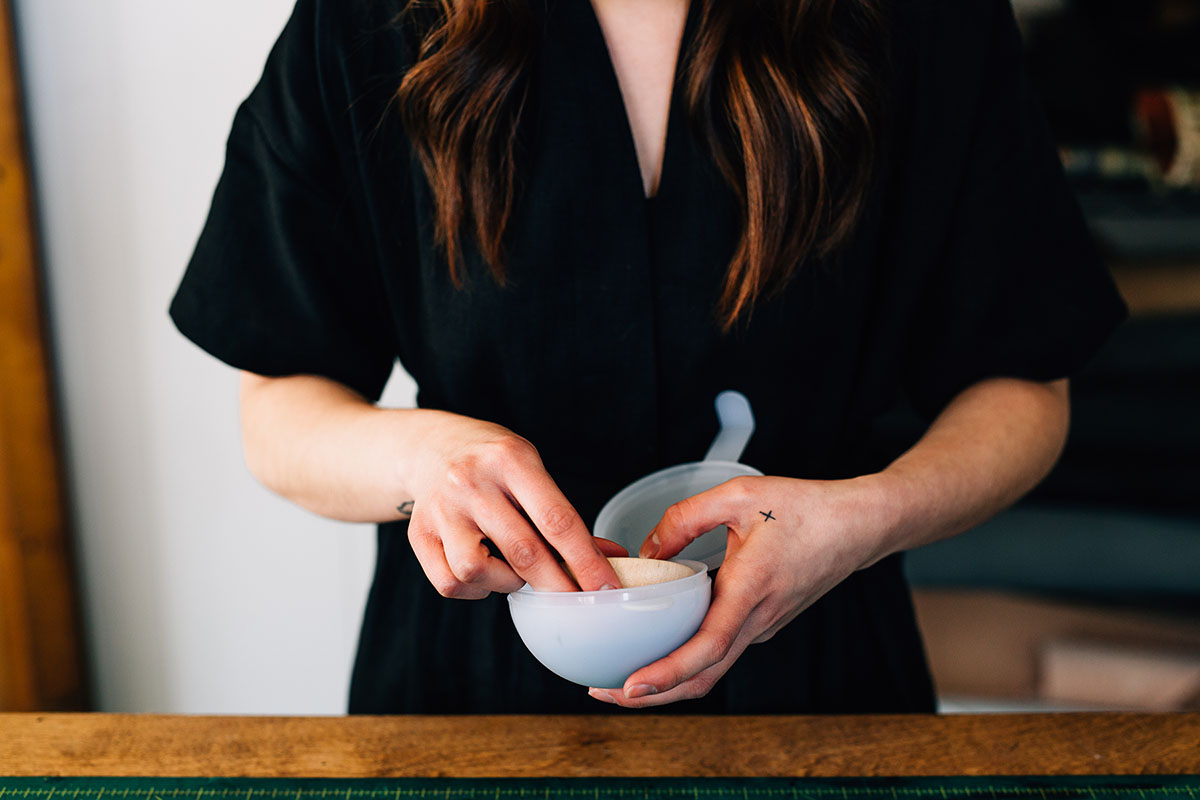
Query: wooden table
x,y
634,745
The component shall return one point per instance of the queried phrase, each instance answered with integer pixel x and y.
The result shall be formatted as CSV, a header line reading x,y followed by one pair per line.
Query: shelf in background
x,y
1157,288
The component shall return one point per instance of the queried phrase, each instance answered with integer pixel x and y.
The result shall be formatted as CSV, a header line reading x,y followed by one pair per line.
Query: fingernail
x,y
641,690
606,587
603,697
650,549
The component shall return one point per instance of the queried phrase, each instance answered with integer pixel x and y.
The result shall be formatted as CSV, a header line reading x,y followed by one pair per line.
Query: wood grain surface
x,y
604,746
40,663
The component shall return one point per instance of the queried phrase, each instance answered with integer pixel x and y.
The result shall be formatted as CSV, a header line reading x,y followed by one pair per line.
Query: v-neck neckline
x,y
629,144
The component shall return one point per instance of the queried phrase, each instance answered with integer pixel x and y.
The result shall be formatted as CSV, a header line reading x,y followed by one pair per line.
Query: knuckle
x,y
720,643
741,487
461,473
558,520
492,455
675,515
514,448
701,687
524,555
503,453
448,587
470,570
419,535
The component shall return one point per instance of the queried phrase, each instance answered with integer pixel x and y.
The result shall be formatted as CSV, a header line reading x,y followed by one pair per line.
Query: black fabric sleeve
x,y
1021,290
281,282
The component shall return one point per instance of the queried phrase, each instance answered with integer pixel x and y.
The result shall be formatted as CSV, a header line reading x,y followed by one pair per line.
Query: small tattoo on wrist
x,y
405,508
767,516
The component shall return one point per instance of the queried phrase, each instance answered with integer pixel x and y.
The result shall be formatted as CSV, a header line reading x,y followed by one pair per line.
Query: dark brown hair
x,y
786,94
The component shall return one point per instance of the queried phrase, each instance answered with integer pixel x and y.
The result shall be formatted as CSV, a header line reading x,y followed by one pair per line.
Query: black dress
x,y
972,260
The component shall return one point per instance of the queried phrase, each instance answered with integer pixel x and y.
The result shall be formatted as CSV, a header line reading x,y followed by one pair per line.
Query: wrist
x,y
409,433
884,501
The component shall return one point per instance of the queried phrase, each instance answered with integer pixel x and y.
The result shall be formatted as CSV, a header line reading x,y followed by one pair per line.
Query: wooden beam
x,y
622,745
40,653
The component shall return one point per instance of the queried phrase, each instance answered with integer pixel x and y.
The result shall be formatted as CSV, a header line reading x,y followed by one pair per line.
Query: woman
x,y
855,206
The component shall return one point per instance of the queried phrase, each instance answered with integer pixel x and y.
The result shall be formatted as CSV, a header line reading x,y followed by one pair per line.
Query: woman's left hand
x,y
789,542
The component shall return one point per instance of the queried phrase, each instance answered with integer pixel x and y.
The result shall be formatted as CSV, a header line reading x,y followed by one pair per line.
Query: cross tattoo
x,y
766,515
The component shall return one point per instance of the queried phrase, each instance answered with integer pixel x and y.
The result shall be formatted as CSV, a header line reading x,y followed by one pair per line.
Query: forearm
x,y
792,540
992,444
327,449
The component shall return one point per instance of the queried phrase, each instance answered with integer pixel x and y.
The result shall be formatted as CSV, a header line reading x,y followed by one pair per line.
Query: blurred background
x,y
199,590
143,569
1087,595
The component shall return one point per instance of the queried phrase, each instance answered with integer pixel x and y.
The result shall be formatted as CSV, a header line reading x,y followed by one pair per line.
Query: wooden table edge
x,y
631,745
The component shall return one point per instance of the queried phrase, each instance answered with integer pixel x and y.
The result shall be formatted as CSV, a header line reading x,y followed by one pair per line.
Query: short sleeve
x,y
280,281
1020,290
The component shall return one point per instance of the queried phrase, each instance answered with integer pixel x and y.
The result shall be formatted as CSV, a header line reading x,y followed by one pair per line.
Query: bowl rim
x,y
633,491
698,578
736,469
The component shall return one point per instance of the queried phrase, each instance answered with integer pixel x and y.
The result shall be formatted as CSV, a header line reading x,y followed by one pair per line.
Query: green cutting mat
x,y
1172,787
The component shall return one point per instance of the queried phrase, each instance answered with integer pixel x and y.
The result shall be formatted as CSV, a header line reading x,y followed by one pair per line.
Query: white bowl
x,y
632,513
601,638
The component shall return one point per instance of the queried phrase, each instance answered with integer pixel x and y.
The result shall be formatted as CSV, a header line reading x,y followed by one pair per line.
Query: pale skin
x,y
643,39
467,482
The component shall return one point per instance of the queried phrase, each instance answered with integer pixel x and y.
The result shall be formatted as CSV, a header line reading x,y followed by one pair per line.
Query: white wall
x,y
202,592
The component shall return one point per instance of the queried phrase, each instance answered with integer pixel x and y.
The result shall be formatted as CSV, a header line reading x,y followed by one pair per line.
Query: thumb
x,y
687,521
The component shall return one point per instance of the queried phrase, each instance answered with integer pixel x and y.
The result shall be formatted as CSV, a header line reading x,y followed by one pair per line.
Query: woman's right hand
x,y
474,482
466,483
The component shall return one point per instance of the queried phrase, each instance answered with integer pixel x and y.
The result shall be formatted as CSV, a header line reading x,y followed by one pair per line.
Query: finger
x,y
691,518
526,553
770,632
719,636
558,521
471,563
427,547
610,549
697,686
